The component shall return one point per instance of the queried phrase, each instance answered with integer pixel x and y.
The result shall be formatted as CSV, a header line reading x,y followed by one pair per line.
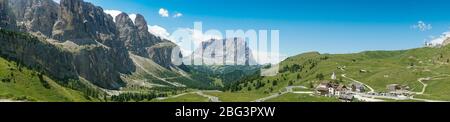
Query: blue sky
x,y
327,26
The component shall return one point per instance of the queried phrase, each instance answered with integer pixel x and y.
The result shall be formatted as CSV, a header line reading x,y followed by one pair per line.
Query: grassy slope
x,y
384,67
26,85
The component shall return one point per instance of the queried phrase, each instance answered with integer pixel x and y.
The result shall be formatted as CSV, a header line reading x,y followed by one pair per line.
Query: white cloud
x,y
268,57
436,41
113,13
159,31
133,18
422,26
191,40
177,15
57,1
163,12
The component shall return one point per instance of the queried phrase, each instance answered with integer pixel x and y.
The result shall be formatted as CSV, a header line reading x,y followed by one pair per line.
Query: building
x,y
397,88
323,89
327,88
357,87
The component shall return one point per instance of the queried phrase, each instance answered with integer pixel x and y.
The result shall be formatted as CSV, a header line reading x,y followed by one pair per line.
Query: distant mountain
x,y
234,51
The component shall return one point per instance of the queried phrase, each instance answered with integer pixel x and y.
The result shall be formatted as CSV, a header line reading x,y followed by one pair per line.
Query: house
x,y
330,89
397,88
322,89
357,87
392,87
341,89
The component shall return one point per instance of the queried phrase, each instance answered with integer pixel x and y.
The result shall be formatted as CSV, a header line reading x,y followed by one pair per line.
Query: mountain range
x,y
74,51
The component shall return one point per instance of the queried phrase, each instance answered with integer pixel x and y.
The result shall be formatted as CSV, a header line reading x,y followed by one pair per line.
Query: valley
x,y
74,51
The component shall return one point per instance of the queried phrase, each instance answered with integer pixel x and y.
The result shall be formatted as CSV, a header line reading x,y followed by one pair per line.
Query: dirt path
x,y
424,84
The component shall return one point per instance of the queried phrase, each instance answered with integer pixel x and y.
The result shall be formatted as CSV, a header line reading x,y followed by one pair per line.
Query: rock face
x,y
78,40
83,22
226,51
129,34
7,20
35,15
144,34
161,53
86,24
140,41
39,55
100,57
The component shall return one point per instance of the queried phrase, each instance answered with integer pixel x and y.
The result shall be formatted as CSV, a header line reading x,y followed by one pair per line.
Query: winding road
x,y
424,84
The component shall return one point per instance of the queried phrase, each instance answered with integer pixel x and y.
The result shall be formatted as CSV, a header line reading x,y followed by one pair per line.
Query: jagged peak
x,y
113,13
141,23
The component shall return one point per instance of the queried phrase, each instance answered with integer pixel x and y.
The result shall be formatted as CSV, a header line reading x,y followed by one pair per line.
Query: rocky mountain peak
x,y
83,23
141,23
233,51
35,15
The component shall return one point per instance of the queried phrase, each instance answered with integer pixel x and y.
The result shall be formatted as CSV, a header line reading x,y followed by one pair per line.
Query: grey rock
x,y
7,19
35,15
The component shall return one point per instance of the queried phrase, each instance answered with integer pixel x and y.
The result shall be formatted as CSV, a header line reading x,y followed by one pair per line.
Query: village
x,y
357,91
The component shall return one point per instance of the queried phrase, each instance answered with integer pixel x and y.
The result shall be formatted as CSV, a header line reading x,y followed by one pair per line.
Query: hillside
x,y
22,84
376,69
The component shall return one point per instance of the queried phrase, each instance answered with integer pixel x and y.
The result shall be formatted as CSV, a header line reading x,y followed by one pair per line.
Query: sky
x,y
327,26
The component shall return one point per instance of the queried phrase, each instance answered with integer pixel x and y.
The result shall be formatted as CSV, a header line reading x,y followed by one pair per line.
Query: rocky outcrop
x,y
233,51
161,53
39,55
90,62
140,41
35,15
7,20
100,56
130,35
79,40
84,23
144,34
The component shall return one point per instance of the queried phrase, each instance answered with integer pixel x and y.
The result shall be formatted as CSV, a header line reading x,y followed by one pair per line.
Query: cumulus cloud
x,y
176,15
422,26
159,31
436,41
163,12
133,18
113,13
